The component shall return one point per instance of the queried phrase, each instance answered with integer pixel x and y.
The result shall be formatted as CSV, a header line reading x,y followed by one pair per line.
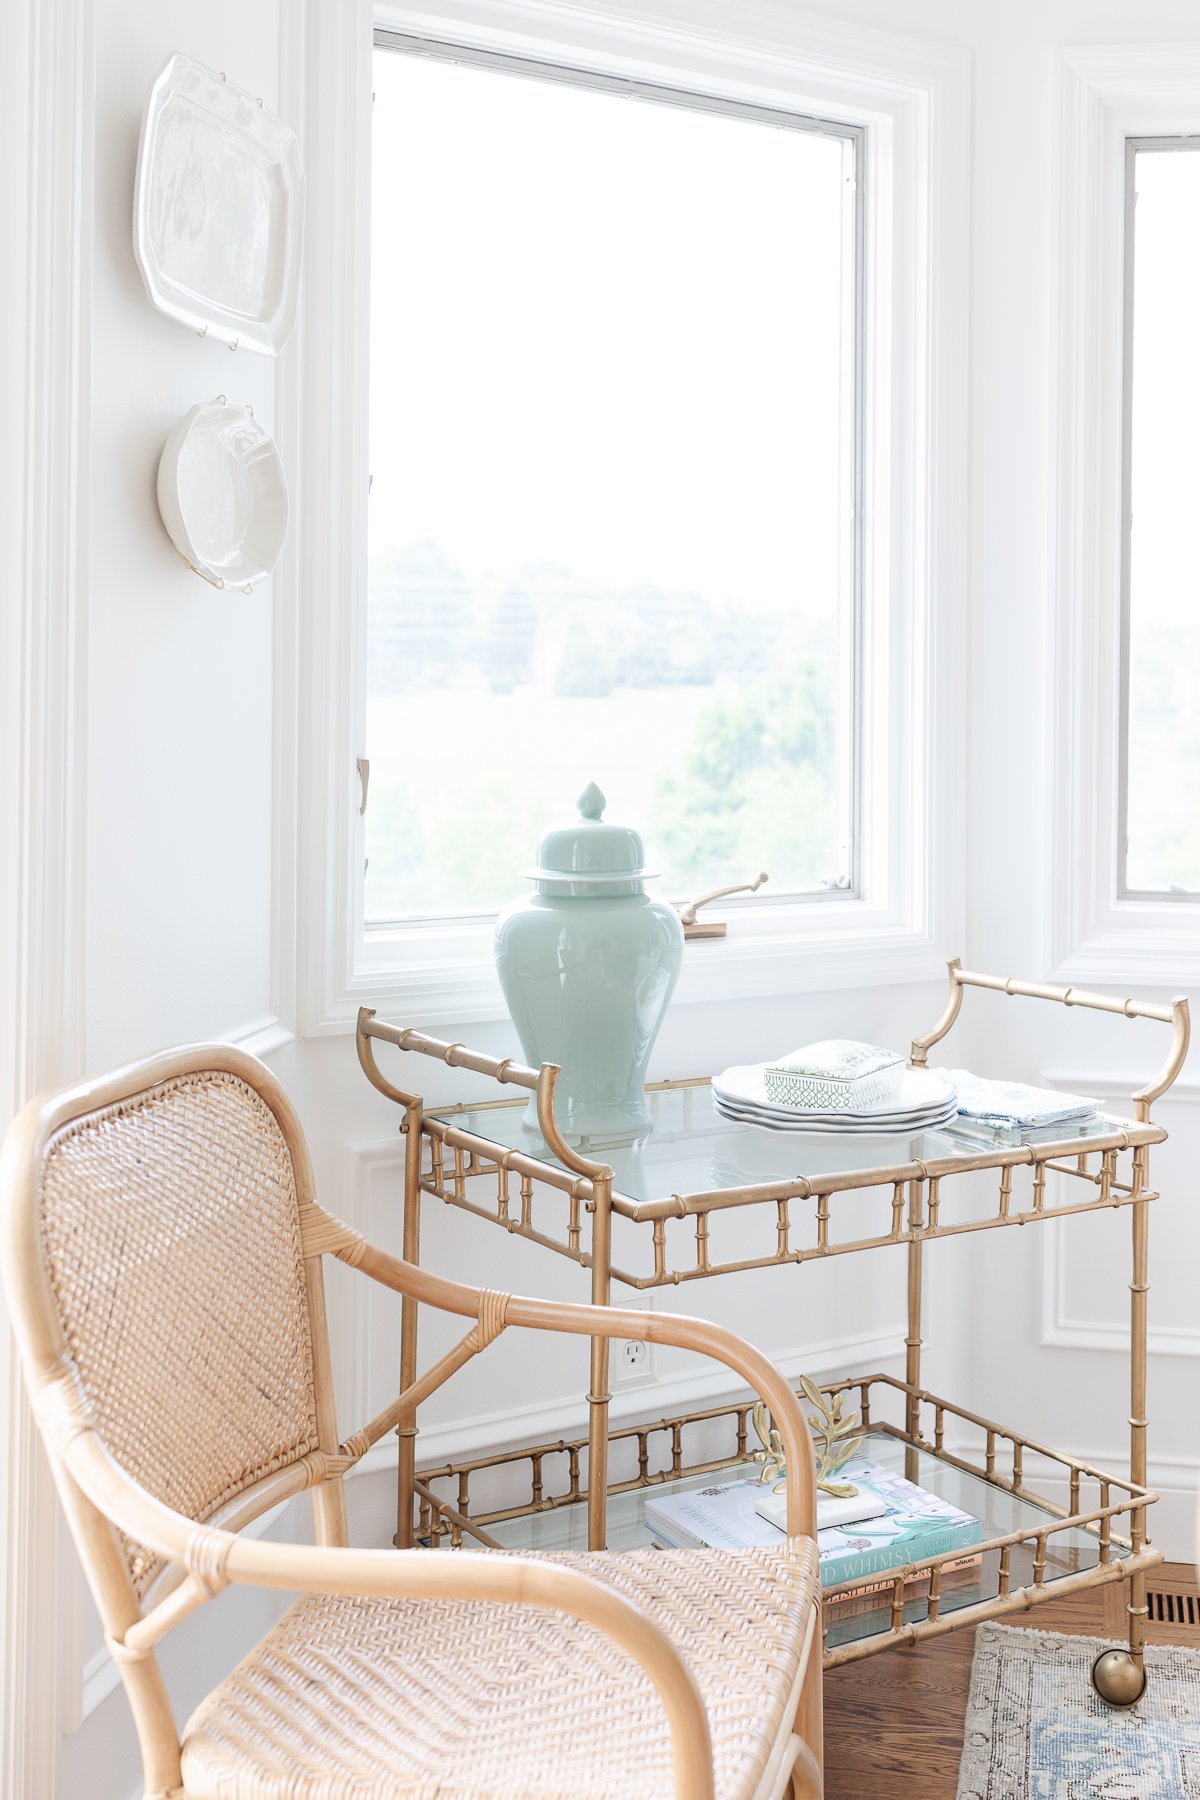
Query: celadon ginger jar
x,y
588,963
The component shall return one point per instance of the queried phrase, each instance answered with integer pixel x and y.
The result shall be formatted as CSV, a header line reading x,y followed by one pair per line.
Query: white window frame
x,y
1097,932
841,878
1159,144
912,97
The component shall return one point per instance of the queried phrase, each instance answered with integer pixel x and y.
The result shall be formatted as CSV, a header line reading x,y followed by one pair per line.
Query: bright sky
x,y
1164,594
1166,391
604,334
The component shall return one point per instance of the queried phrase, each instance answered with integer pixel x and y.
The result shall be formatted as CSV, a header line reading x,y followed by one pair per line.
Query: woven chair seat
x,y
347,1699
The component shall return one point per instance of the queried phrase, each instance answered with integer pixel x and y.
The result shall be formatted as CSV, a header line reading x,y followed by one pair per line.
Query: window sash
x,y
377,930
914,96
1173,144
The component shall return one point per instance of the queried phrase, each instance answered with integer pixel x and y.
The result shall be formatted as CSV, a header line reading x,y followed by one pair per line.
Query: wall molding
x,y
467,991
542,1422
1103,96
288,640
101,1677
1175,1479
350,1326
326,81
1109,1084
52,402
1171,1521
1062,1330
260,1036
1178,1472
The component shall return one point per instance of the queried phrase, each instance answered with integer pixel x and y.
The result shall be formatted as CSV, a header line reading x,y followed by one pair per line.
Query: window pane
x,y
1163,774
611,516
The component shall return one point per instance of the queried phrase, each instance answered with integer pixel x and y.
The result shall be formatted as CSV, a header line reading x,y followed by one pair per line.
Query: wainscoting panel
x,y
1085,1294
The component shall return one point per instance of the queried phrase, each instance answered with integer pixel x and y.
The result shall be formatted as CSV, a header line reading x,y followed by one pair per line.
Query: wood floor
x,y
894,1723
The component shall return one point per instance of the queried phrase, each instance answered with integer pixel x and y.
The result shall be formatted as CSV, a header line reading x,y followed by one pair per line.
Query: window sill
x,y
457,985
1140,942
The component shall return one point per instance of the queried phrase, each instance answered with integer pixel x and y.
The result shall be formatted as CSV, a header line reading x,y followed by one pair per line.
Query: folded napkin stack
x,y
1010,1112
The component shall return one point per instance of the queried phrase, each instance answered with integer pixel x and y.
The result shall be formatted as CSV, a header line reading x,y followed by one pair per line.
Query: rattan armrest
x,y
675,1329
213,1558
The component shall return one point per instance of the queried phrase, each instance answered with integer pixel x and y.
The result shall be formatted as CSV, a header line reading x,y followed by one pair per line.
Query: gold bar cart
x,y
583,1200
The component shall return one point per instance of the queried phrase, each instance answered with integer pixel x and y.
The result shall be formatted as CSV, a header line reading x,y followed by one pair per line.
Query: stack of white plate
x,y
924,1100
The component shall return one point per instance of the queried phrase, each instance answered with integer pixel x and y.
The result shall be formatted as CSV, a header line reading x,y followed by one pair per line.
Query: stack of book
x,y
907,1524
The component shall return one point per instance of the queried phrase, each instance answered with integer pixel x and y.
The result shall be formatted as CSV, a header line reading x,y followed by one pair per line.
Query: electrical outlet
x,y
631,1363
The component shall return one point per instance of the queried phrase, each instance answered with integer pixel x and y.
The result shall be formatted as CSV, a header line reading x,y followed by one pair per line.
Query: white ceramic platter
x,y
218,209
805,1127
222,494
920,1091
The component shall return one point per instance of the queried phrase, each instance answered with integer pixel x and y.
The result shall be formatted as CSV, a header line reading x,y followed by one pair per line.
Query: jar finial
x,y
591,802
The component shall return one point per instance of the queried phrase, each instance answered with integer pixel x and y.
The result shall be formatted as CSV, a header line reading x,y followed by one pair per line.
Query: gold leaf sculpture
x,y
833,1440
771,1455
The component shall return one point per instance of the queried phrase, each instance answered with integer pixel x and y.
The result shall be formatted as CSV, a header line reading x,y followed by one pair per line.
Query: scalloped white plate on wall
x,y
218,209
222,494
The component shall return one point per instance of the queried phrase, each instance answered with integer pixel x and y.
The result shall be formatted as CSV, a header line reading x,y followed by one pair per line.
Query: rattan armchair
x,y
162,1250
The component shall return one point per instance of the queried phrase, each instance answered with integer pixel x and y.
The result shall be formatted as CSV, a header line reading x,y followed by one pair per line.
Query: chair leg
x,y
808,1777
806,1782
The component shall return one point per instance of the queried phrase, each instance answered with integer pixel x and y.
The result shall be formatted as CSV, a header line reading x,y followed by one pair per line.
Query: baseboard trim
x,y
1172,1519
491,1434
261,1036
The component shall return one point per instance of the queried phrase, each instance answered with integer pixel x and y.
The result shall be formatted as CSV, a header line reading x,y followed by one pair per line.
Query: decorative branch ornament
x,y
832,1440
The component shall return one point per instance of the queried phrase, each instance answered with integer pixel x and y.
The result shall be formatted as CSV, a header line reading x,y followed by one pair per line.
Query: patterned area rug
x,y
1035,1729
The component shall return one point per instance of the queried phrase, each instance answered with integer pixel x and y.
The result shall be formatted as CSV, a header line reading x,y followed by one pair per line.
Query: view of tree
x,y
1164,734
756,785
509,694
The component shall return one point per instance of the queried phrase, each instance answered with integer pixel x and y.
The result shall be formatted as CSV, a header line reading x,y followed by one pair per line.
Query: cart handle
x,y
1177,1015
540,1082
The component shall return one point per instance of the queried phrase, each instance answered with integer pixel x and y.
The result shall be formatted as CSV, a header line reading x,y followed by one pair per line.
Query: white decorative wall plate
x,y
218,209
222,494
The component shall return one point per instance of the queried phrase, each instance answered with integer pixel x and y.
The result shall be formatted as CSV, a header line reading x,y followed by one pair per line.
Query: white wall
x,y
179,677
136,709
176,706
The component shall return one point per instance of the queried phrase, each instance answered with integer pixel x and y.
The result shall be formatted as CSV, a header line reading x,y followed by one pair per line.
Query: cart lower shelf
x,y
1033,1547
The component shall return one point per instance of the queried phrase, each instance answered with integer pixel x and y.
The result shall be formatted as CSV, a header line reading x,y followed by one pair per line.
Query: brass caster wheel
x,y
1118,1679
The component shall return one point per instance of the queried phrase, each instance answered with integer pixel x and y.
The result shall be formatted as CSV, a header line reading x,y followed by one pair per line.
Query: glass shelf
x,y
691,1149
1068,1551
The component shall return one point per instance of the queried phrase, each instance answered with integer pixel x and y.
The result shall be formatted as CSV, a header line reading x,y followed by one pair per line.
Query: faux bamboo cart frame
x,y
495,1182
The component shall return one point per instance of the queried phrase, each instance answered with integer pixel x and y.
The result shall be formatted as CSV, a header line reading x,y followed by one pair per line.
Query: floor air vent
x,y
1174,1607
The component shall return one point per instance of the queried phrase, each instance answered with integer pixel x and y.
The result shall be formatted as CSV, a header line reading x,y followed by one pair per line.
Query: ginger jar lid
x,y
589,856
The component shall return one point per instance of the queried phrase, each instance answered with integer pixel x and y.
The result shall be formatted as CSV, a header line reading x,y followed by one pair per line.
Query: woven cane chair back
x,y
161,1246
171,1243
